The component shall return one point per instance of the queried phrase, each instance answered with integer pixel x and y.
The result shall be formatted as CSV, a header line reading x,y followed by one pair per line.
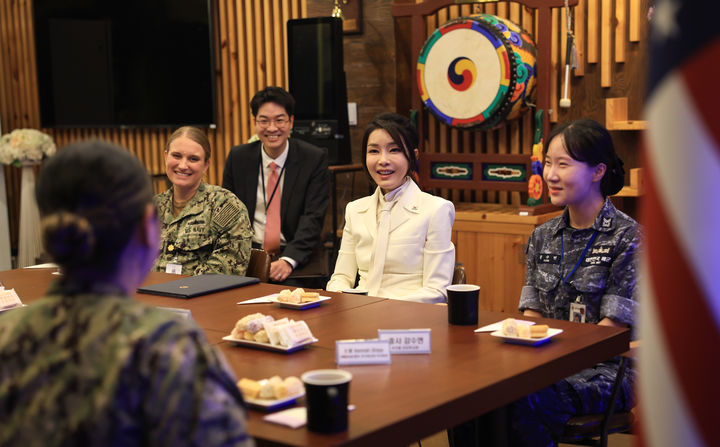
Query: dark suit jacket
x,y
305,193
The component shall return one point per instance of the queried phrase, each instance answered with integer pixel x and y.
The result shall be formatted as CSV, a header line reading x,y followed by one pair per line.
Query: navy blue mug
x,y
326,394
463,304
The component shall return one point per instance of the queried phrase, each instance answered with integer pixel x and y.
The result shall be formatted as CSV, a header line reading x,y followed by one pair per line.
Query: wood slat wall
x,y
609,35
250,50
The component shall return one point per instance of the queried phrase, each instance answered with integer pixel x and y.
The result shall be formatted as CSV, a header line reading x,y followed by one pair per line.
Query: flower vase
x,y
30,241
5,259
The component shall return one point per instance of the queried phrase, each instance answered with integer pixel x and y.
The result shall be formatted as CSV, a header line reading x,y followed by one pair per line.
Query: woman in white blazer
x,y
415,261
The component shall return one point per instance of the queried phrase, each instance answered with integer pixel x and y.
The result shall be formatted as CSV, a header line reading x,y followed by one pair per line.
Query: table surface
x,y
466,375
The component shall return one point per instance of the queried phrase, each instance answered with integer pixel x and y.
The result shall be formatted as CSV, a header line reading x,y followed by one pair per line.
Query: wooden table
x,y
466,375
490,242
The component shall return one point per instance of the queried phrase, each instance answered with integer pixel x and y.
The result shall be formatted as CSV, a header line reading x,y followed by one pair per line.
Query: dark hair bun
x,y
92,196
68,238
614,178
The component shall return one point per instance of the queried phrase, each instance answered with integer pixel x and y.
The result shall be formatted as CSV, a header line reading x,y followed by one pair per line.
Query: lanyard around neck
x,y
264,186
582,256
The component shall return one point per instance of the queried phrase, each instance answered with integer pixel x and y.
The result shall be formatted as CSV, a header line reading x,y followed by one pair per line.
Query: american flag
x,y
679,359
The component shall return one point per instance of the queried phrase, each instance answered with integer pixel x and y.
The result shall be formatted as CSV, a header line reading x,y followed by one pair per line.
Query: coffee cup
x,y
463,304
326,394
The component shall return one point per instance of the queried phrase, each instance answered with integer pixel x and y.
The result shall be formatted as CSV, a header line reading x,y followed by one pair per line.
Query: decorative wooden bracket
x,y
616,112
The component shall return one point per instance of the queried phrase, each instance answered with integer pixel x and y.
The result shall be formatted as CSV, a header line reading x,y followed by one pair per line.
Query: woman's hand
x,y
608,322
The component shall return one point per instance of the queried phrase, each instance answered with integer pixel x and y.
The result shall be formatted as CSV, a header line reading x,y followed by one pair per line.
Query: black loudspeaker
x,y
317,82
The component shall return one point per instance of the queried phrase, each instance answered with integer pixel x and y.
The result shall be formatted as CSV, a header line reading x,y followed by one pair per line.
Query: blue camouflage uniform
x,y
101,369
605,281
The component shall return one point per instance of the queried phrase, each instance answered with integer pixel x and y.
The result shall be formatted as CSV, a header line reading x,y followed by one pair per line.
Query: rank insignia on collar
x,y
607,222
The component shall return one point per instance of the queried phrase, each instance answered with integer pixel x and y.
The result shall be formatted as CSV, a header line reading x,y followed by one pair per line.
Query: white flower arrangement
x,y
23,145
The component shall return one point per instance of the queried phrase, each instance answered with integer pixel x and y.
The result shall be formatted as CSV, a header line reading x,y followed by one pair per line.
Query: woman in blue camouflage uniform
x,y
581,266
205,228
88,365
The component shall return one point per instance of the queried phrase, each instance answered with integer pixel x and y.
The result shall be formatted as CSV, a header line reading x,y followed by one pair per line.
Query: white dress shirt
x,y
259,219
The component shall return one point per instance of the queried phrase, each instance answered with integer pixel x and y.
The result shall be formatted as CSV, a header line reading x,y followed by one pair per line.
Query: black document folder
x,y
193,286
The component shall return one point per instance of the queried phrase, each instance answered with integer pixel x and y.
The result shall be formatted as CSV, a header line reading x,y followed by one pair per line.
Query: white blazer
x,y
420,259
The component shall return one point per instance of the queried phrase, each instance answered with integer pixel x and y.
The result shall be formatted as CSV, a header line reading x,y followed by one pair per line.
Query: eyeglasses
x,y
278,122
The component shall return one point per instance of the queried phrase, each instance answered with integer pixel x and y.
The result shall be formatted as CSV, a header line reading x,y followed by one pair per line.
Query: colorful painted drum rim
x,y
461,70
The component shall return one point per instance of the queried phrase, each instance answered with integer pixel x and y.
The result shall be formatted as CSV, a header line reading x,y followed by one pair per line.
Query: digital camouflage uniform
x,y
212,234
605,281
101,369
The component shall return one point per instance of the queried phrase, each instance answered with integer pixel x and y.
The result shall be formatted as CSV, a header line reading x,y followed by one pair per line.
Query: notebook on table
x,y
193,286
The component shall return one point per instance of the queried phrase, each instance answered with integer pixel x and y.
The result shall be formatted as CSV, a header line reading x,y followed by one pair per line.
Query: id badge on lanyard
x,y
577,312
173,267
577,308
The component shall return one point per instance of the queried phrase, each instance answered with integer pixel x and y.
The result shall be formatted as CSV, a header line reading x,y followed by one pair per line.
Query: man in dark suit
x,y
257,171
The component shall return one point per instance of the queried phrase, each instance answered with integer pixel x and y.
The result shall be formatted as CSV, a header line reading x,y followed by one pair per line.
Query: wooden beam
x,y
620,30
579,24
635,20
592,31
606,29
554,68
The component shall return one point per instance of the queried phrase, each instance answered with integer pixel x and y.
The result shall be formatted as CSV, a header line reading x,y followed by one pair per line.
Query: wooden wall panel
x,y
606,50
620,30
250,54
592,30
507,139
611,63
579,27
556,59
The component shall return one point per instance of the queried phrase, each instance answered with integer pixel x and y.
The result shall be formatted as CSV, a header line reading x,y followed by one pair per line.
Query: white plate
x,y
268,346
273,404
11,308
528,341
298,306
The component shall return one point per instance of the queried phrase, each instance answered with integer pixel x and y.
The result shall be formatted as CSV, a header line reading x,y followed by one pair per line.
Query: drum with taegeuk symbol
x,y
477,71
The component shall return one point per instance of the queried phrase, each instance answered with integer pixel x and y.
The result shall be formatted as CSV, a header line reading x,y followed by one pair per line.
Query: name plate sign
x,y
362,352
407,341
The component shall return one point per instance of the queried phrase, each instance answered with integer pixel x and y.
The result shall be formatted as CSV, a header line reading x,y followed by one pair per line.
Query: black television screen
x,y
315,63
118,63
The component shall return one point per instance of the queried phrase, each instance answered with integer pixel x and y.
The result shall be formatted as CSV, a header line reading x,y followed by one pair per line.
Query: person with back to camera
x,y
415,260
205,228
88,365
580,263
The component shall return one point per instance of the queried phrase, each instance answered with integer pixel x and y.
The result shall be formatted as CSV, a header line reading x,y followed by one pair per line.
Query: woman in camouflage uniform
x,y
205,228
89,365
581,266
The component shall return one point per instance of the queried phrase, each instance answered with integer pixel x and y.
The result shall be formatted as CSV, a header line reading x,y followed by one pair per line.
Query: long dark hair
x,y
403,133
588,141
